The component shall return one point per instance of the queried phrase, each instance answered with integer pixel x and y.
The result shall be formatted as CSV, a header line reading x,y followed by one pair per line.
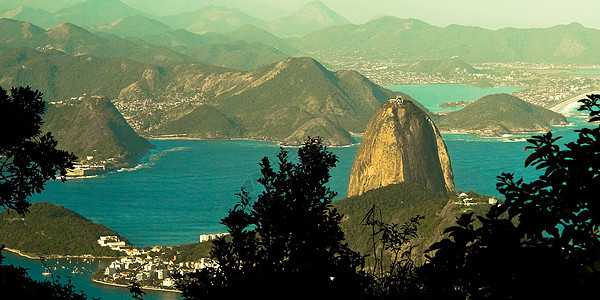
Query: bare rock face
x,y
401,144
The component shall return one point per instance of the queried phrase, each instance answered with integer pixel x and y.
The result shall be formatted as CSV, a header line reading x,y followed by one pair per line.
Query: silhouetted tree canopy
x,y
28,158
287,243
543,242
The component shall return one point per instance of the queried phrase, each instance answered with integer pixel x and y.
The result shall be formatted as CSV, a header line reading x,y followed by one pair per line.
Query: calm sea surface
x,y
184,187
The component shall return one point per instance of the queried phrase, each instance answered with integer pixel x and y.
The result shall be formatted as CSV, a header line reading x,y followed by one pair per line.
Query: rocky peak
x,y
401,144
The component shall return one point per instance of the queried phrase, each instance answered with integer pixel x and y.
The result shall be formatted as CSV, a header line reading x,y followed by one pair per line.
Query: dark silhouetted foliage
x,y
542,243
28,158
287,243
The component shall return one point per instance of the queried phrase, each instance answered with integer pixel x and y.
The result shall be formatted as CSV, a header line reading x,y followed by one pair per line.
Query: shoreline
x,y
563,106
142,287
278,143
55,256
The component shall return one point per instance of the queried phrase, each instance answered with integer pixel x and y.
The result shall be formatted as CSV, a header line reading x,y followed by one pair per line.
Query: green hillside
x,y
203,122
237,55
498,114
92,127
60,76
411,38
398,203
74,40
345,99
50,229
444,67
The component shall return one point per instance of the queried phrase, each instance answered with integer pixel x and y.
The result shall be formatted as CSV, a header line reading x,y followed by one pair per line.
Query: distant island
x,y
498,114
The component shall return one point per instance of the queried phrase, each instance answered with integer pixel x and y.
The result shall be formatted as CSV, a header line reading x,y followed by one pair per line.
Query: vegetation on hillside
x,y
93,127
49,230
499,114
28,157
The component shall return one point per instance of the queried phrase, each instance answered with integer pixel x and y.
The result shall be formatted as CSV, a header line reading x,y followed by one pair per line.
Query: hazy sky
x,y
484,13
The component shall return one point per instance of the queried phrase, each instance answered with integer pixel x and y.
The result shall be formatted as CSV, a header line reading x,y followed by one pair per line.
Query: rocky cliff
x,y
401,144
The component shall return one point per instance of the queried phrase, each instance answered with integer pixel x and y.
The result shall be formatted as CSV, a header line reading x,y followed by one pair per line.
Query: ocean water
x,y
184,187
433,94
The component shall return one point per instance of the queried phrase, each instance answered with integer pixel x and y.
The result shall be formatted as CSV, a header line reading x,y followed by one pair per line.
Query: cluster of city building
x,y
150,267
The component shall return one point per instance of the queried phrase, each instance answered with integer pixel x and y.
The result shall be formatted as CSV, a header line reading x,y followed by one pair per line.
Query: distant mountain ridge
x,y
412,38
312,16
162,48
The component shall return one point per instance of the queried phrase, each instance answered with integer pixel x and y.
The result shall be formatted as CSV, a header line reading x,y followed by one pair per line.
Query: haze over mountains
x,y
218,71
317,28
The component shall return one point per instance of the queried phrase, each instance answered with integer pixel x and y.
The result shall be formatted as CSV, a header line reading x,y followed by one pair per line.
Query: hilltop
x,y
315,101
93,129
310,17
499,114
401,144
51,230
212,19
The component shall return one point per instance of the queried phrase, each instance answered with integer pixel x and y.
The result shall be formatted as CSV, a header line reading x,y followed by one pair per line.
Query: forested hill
x,y
93,129
499,114
50,229
398,203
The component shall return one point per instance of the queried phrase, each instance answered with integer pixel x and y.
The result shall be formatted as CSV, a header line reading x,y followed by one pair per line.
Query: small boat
x,y
47,272
75,271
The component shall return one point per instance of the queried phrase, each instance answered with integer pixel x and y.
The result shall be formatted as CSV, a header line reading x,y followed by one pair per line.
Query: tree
x,y
542,242
28,158
288,242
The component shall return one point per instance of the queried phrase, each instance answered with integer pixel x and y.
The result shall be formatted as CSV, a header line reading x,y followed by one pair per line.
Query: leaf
x,y
532,158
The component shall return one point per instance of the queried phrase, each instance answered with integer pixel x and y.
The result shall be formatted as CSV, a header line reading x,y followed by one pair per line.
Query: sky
x,y
483,13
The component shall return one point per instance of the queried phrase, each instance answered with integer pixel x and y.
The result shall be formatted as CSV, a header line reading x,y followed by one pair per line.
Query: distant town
x,y
152,268
543,84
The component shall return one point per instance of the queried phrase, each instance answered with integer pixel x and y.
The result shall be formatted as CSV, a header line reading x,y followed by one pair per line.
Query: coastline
x,y
278,143
55,256
142,287
564,107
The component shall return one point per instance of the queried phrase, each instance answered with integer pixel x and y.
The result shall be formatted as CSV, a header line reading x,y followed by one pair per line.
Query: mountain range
x,y
168,100
316,28
161,48
415,39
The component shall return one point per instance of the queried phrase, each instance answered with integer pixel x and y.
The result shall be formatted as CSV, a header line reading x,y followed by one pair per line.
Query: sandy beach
x,y
565,107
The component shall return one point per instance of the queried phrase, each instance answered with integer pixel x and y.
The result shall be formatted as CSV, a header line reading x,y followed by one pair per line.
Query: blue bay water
x,y
184,187
432,95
